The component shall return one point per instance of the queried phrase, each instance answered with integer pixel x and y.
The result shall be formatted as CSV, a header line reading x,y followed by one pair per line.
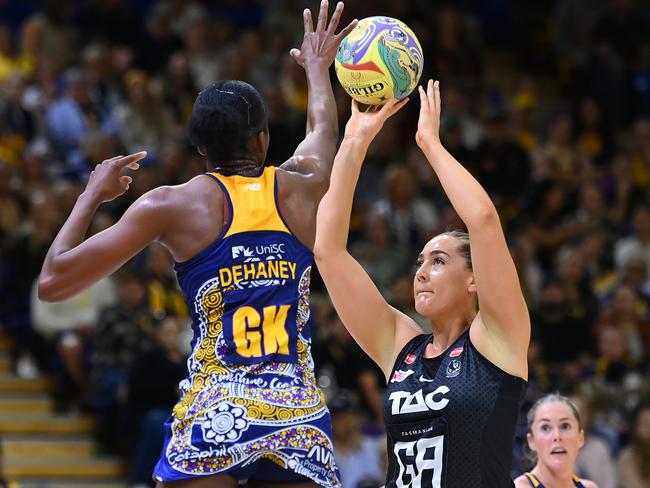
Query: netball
x,y
379,60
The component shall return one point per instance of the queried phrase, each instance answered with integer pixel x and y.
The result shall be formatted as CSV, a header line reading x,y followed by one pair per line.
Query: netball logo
x,y
453,369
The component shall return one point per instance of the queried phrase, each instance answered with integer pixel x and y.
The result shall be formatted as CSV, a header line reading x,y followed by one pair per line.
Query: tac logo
x,y
453,369
241,251
399,376
405,402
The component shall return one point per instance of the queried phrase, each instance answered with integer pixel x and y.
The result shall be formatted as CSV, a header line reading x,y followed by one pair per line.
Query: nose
x,y
420,274
556,434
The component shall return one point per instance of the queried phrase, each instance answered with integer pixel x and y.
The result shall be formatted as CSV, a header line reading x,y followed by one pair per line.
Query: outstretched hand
x,y
321,44
366,125
107,181
429,121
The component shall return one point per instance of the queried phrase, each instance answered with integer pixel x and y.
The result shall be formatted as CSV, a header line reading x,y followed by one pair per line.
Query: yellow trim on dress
x,y
255,196
531,477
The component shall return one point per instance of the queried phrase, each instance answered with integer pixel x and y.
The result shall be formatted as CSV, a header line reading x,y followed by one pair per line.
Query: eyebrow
x,y
548,420
432,253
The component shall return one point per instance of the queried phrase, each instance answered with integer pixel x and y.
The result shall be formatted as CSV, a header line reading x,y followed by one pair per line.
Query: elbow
x,y
47,290
486,215
319,253
323,253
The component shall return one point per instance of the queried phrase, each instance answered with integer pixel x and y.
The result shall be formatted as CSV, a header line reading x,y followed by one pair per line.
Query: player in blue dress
x,y
554,436
241,236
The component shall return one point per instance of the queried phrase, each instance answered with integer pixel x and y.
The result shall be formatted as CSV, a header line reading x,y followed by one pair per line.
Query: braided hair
x,y
225,117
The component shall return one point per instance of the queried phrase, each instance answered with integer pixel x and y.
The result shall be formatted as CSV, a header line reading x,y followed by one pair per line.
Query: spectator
x,y
634,461
552,320
411,219
637,244
25,253
69,328
382,259
624,314
69,118
358,456
123,333
143,121
152,392
339,354
164,297
595,460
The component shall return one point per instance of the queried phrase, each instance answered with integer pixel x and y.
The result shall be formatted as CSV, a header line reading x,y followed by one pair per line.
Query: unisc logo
x,y
259,250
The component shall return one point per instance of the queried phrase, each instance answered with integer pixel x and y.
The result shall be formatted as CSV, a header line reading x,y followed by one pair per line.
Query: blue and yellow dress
x,y
251,396
535,483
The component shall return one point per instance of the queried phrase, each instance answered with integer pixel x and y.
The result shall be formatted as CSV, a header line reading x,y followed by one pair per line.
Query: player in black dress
x,y
453,396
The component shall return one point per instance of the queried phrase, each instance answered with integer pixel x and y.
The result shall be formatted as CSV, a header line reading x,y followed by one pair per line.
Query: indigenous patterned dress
x,y
251,393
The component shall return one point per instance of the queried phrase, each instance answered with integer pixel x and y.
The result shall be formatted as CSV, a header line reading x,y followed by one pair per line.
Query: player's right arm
x,y
72,263
375,325
313,157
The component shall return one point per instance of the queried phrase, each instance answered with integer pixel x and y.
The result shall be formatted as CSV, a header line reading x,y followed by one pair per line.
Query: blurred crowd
x,y
547,103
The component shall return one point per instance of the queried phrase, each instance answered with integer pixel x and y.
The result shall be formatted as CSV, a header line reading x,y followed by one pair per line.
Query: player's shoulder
x,y
588,484
180,196
522,482
303,167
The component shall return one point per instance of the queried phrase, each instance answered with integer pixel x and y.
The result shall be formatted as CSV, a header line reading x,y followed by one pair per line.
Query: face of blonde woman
x,y
556,436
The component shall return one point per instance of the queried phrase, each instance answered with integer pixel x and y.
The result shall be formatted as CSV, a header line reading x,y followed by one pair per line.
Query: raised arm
x,y
365,313
73,264
315,153
503,330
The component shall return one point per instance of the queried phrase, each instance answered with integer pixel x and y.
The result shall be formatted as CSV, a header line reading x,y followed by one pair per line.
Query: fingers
x,y
306,18
341,35
130,160
436,94
388,106
399,105
295,54
391,107
355,107
430,92
336,17
114,158
125,181
424,101
322,15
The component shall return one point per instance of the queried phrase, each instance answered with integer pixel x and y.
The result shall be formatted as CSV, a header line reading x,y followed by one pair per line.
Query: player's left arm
x,y
73,263
314,155
504,329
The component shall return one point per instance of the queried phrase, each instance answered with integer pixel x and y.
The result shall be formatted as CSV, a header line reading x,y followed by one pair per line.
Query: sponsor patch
x,y
410,358
453,369
457,351
399,376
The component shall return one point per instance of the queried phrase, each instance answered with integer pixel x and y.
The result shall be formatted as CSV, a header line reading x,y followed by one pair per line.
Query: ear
x,y
581,438
531,442
471,285
262,141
